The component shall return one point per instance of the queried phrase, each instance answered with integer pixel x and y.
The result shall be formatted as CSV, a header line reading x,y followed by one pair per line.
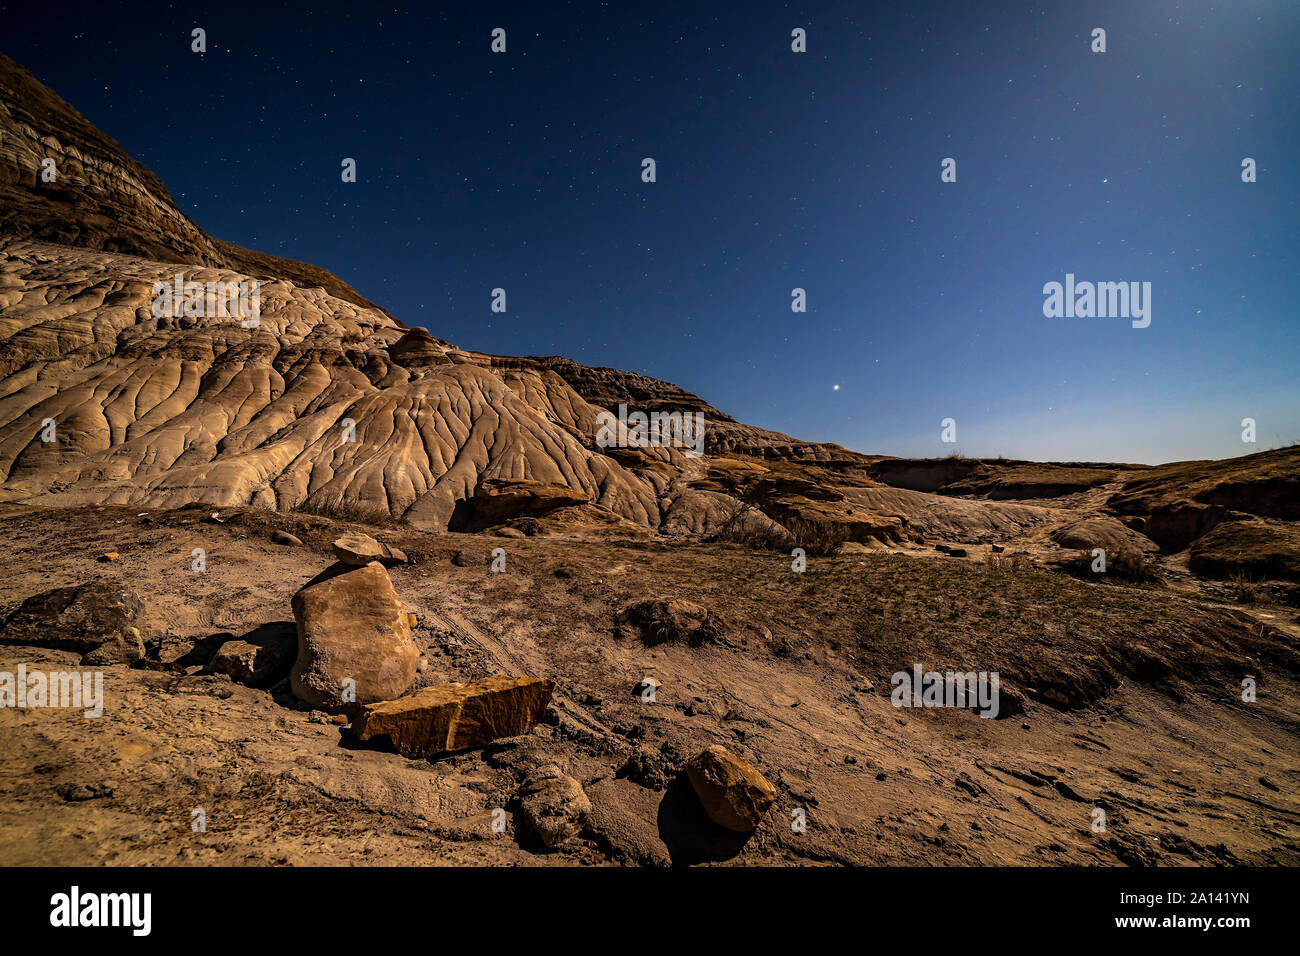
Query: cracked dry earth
x,y
797,683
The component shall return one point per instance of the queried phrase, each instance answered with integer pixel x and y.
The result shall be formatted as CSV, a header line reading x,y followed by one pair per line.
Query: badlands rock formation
x,y
103,199
644,588
329,405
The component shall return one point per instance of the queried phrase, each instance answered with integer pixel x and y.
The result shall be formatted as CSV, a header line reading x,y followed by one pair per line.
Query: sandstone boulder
x,y
359,549
451,717
259,658
97,620
554,805
351,626
733,793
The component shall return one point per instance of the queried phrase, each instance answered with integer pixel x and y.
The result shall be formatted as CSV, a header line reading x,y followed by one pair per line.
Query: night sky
x,y
775,170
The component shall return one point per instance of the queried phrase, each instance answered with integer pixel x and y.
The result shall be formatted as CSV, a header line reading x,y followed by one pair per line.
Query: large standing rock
x,y
351,625
554,805
733,793
451,717
96,620
361,549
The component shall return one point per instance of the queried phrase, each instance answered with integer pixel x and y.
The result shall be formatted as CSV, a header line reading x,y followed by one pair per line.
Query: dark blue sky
x,y
775,170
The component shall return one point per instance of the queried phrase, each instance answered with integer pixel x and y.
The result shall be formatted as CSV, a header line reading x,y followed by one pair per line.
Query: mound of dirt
x,y
1259,550
1266,484
1105,533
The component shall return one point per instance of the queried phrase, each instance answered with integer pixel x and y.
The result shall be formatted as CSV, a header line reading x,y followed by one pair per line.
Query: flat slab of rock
x,y
97,620
733,793
361,549
554,805
452,717
352,627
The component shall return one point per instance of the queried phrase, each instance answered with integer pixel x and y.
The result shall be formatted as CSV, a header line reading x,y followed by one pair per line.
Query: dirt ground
x,y
1133,706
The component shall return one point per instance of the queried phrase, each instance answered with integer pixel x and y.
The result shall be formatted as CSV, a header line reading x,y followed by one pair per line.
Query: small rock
x,y
108,556
77,792
262,659
284,537
361,549
510,533
554,805
462,560
734,794
998,549
956,552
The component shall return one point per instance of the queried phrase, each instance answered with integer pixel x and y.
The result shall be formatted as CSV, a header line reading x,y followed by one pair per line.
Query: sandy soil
x,y
799,685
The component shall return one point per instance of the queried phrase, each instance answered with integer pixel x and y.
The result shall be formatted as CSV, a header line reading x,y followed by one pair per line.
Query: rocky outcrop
x,y
101,402
354,640
101,621
661,621
497,500
451,717
1265,484
101,198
